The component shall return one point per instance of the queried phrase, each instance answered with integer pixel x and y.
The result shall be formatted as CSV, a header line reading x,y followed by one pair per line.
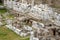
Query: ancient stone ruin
x,y
34,19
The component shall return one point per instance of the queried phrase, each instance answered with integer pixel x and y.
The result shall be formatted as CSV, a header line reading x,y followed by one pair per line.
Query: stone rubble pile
x,y
37,30
45,33
42,12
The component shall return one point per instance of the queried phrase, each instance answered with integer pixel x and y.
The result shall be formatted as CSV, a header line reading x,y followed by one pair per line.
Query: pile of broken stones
x,y
48,29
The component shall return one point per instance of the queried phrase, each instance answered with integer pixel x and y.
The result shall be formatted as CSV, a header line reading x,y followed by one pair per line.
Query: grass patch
x,y
1,4
2,11
10,16
7,34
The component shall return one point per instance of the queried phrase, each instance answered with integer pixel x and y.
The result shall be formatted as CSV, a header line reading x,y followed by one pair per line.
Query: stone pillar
x,y
9,3
5,2
22,1
12,4
32,3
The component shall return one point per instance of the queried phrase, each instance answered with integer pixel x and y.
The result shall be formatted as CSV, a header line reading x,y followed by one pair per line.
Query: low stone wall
x,y
16,30
13,28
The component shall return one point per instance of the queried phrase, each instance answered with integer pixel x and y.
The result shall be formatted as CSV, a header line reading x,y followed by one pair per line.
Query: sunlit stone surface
x,y
41,22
